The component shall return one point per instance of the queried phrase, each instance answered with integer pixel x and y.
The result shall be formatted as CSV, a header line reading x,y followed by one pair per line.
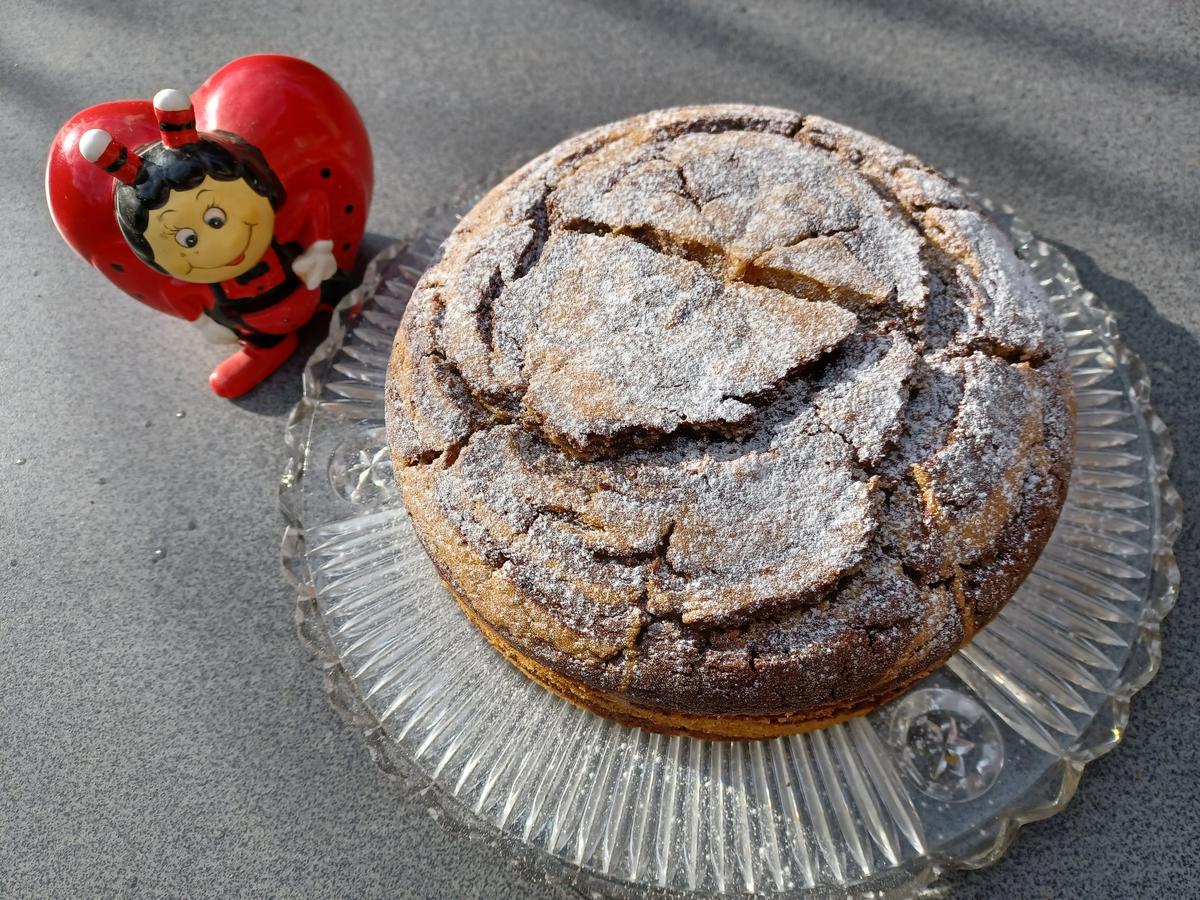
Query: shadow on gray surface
x,y
1171,356
1088,51
42,100
1155,209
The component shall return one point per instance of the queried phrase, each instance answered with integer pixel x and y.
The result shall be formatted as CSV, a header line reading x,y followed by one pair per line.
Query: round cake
x,y
729,422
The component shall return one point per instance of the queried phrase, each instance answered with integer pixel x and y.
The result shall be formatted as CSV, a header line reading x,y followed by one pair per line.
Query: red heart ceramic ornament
x,y
140,189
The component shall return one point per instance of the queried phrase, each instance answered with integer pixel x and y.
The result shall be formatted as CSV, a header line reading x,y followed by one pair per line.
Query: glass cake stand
x,y
941,777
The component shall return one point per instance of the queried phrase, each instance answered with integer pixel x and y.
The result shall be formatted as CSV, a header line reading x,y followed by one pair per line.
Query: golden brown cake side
x,y
727,422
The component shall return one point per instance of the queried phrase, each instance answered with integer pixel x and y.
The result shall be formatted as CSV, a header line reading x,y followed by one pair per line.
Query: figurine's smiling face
x,y
215,231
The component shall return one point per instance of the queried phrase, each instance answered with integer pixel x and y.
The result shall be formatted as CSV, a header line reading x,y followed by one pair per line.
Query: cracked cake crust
x,y
729,422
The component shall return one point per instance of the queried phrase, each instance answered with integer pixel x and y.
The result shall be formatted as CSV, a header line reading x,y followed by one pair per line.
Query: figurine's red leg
x,y
249,366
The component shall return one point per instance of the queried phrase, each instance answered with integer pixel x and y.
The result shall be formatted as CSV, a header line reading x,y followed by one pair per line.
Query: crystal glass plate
x,y
941,777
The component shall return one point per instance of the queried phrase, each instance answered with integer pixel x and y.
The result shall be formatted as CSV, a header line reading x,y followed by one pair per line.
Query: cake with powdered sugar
x,y
728,421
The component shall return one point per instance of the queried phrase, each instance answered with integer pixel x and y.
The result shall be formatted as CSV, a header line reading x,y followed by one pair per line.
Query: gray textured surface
x,y
162,731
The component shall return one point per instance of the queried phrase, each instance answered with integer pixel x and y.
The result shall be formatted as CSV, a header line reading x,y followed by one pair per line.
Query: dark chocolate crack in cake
x,y
729,422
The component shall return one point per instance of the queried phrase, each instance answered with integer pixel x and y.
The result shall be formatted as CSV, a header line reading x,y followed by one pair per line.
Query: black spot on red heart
x,y
345,246
117,267
349,208
325,173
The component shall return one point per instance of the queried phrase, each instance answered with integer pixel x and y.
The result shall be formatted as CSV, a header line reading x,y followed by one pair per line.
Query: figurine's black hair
x,y
224,156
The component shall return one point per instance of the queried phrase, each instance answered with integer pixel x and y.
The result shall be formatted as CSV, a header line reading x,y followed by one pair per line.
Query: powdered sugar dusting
x,y
862,394
744,538
695,533
1003,302
743,192
825,266
613,337
740,400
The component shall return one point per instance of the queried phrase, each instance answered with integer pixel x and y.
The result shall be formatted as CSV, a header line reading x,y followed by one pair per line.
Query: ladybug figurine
x,y
234,227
